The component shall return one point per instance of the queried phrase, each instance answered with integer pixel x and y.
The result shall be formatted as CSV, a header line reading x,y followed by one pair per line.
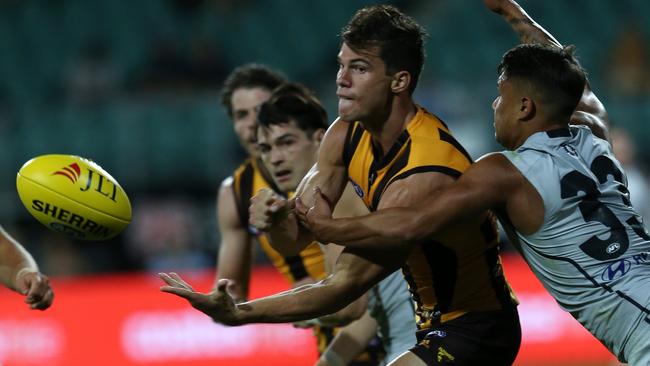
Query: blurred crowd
x,y
175,229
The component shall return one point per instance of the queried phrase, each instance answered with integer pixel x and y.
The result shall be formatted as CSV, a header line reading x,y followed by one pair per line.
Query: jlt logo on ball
x,y
94,181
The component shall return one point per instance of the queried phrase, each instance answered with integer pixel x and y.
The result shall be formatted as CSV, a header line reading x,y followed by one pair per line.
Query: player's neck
x,y
539,126
385,132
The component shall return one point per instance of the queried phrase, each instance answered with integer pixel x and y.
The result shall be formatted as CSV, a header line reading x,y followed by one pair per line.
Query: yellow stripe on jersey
x,y
248,179
461,271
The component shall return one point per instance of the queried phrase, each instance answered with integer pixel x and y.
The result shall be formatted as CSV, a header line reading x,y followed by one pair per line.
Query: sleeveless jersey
x,y
461,271
592,252
248,179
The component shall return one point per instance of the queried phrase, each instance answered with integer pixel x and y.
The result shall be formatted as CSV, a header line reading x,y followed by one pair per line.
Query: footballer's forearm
x,y
301,303
383,229
525,27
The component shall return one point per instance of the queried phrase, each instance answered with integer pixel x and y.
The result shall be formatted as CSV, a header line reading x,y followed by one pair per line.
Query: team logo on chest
x,y
357,188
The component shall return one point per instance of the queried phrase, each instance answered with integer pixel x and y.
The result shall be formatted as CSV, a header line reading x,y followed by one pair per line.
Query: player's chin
x,y
347,116
346,112
287,186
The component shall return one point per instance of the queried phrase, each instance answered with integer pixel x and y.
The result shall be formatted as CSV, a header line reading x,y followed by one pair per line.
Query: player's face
x,y
505,116
244,103
288,153
363,88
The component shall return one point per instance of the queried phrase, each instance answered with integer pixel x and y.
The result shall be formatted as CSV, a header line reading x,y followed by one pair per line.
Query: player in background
x,y
244,91
559,191
396,154
19,272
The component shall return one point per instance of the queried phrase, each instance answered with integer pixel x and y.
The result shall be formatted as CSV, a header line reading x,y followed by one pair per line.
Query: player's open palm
x,y
217,304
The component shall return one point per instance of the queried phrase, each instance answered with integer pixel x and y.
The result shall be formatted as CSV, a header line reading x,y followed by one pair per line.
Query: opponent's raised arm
x,y
275,215
524,26
590,111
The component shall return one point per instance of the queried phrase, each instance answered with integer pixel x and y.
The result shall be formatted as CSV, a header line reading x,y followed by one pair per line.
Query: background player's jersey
x,y
461,271
248,179
592,252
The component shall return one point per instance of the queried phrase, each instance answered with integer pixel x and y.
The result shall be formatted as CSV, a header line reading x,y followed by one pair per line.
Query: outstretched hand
x,y
217,304
36,288
317,217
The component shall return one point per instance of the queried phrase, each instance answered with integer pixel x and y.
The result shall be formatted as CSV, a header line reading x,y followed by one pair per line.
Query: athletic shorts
x,y
481,338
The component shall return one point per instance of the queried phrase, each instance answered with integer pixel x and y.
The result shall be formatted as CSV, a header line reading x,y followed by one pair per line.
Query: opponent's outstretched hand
x,y
36,288
315,218
267,209
217,304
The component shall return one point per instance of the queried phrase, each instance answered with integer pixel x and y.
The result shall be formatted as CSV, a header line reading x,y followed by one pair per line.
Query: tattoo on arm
x,y
526,31
531,32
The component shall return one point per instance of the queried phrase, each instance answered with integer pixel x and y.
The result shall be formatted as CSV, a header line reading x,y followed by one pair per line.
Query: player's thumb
x,y
22,287
222,284
319,197
22,283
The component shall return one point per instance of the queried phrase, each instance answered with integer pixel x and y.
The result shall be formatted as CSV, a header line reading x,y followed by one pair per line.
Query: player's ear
x,y
527,108
318,135
400,82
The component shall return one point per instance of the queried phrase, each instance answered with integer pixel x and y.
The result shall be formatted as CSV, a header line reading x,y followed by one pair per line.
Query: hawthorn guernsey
x,y
73,195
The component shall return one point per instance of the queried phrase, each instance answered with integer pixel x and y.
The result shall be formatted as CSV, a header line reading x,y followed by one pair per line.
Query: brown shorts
x,y
481,338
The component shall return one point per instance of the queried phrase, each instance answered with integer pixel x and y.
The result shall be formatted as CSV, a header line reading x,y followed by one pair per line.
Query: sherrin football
x,y
73,195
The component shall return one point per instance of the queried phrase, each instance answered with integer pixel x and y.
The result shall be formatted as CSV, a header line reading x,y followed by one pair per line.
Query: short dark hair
x,y
399,37
249,76
293,101
552,71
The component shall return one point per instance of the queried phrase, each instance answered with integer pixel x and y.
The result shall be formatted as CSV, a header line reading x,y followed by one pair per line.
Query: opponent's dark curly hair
x,y
552,72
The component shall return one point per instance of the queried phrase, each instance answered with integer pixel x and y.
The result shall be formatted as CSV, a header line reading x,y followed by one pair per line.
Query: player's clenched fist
x,y
267,209
36,288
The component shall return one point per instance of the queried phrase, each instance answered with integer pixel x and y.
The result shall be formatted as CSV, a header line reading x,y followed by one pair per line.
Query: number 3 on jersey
x,y
594,210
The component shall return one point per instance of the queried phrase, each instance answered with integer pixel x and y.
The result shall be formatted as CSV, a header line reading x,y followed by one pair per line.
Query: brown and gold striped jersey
x,y
458,272
248,179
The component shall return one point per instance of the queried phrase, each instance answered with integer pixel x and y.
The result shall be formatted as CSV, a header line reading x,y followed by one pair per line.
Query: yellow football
x,y
73,195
